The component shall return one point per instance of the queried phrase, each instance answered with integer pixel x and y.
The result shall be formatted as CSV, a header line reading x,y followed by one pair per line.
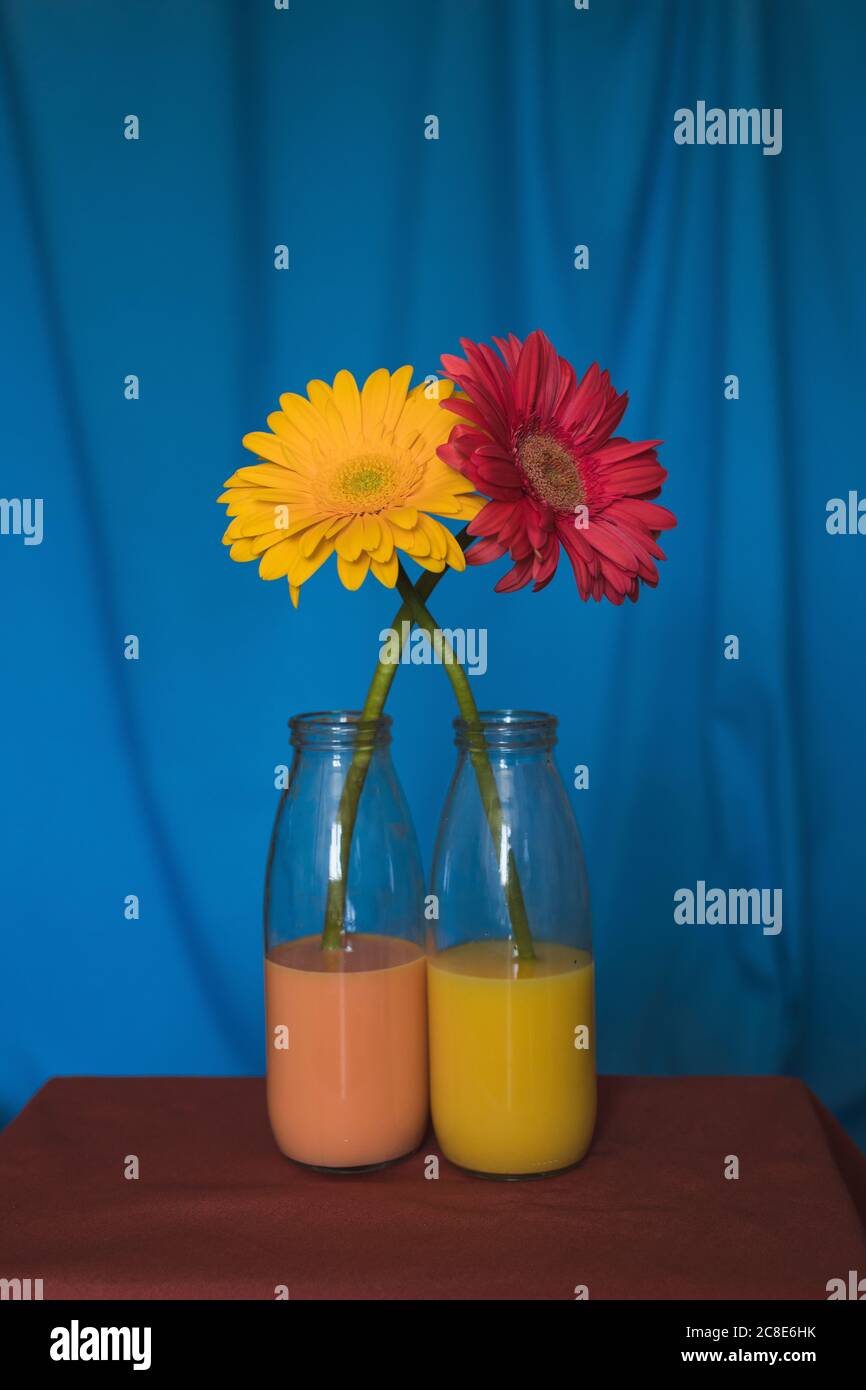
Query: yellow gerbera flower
x,y
354,472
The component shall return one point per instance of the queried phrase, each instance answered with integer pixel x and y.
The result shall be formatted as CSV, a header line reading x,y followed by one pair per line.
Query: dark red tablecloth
x,y
217,1212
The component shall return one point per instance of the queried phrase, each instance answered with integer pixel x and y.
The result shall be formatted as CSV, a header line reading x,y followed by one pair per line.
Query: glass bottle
x,y
346,1027
512,1038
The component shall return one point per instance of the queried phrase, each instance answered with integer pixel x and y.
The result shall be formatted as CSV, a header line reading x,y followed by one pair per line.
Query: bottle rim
x,y
507,728
338,728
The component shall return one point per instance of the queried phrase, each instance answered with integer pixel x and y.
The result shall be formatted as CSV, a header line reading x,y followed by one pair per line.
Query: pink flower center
x,y
551,472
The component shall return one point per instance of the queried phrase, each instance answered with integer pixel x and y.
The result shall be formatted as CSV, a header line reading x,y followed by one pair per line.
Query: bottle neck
x,y
506,731
339,732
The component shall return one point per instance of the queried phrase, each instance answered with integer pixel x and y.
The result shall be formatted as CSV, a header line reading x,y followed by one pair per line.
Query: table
x,y
217,1213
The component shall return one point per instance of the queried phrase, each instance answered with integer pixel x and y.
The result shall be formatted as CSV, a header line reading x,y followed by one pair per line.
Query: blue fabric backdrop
x,y
305,126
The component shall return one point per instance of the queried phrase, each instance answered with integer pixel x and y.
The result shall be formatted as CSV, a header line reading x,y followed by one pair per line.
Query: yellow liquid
x,y
510,1091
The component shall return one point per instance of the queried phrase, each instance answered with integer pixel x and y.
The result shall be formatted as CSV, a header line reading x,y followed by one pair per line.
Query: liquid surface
x,y
362,952
351,1086
510,1091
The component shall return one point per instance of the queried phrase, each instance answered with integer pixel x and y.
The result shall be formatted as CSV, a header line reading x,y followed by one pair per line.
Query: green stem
x,y
487,787
347,813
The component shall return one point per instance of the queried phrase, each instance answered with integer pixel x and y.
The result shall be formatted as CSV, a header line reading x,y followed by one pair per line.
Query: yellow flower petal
x,y
323,399
353,572
276,562
305,418
242,550
320,394
435,534
428,563
444,388
413,542
300,518
255,520
468,506
396,397
386,571
374,402
238,499
372,532
311,537
265,445
259,544
298,449
385,549
306,565
261,475
348,402
350,542
442,502
455,557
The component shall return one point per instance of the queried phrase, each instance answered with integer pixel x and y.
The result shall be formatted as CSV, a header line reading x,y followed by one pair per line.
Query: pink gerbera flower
x,y
540,446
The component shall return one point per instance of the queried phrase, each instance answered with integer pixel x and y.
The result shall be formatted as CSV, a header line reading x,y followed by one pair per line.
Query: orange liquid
x,y
350,1086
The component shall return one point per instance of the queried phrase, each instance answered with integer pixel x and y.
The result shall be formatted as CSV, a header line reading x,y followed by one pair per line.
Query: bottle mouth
x,y
507,729
339,728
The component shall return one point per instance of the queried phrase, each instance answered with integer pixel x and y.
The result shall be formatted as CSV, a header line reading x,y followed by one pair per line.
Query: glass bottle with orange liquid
x,y
512,1027
345,1008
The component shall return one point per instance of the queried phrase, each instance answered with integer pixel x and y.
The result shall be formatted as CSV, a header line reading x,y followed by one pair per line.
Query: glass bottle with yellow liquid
x,y
510,973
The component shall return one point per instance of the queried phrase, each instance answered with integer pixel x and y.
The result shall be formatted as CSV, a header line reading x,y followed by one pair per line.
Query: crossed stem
x,y
414,610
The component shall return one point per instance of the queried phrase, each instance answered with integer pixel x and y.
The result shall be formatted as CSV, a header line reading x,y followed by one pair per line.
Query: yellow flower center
x,y
551,472
366,483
